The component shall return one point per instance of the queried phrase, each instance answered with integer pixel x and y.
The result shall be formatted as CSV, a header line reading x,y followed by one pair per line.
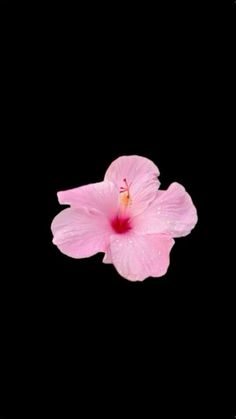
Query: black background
x,y
84,89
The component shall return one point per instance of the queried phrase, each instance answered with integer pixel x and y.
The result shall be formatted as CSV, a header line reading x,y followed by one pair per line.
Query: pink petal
x,y
101,197
79,233
132,168
172,212
138,257
140,174
107,257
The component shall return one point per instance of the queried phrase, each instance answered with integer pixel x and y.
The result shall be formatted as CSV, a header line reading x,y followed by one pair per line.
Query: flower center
x,y
121,225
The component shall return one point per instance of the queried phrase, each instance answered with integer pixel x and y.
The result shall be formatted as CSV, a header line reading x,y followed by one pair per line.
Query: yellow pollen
x,y
125,198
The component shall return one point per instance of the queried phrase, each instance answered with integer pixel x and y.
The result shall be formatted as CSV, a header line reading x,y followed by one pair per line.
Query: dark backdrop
x,y
87,90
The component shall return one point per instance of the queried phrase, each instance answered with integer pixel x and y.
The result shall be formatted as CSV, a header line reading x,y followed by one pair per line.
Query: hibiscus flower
x,y
127,217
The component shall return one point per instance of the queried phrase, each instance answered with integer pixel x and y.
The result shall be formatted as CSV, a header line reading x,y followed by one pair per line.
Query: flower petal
x,y
139,175
132,168
79,233
137,257
173,212
107,257
101,197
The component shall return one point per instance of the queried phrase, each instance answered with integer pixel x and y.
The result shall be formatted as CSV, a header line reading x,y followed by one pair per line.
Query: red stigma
x,y
125,188
121,225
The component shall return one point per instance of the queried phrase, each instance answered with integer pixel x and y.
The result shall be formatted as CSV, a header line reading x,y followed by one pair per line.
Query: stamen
x,y
125,188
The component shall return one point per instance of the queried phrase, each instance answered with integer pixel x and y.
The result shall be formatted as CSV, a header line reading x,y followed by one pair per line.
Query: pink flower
x,y
126,217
